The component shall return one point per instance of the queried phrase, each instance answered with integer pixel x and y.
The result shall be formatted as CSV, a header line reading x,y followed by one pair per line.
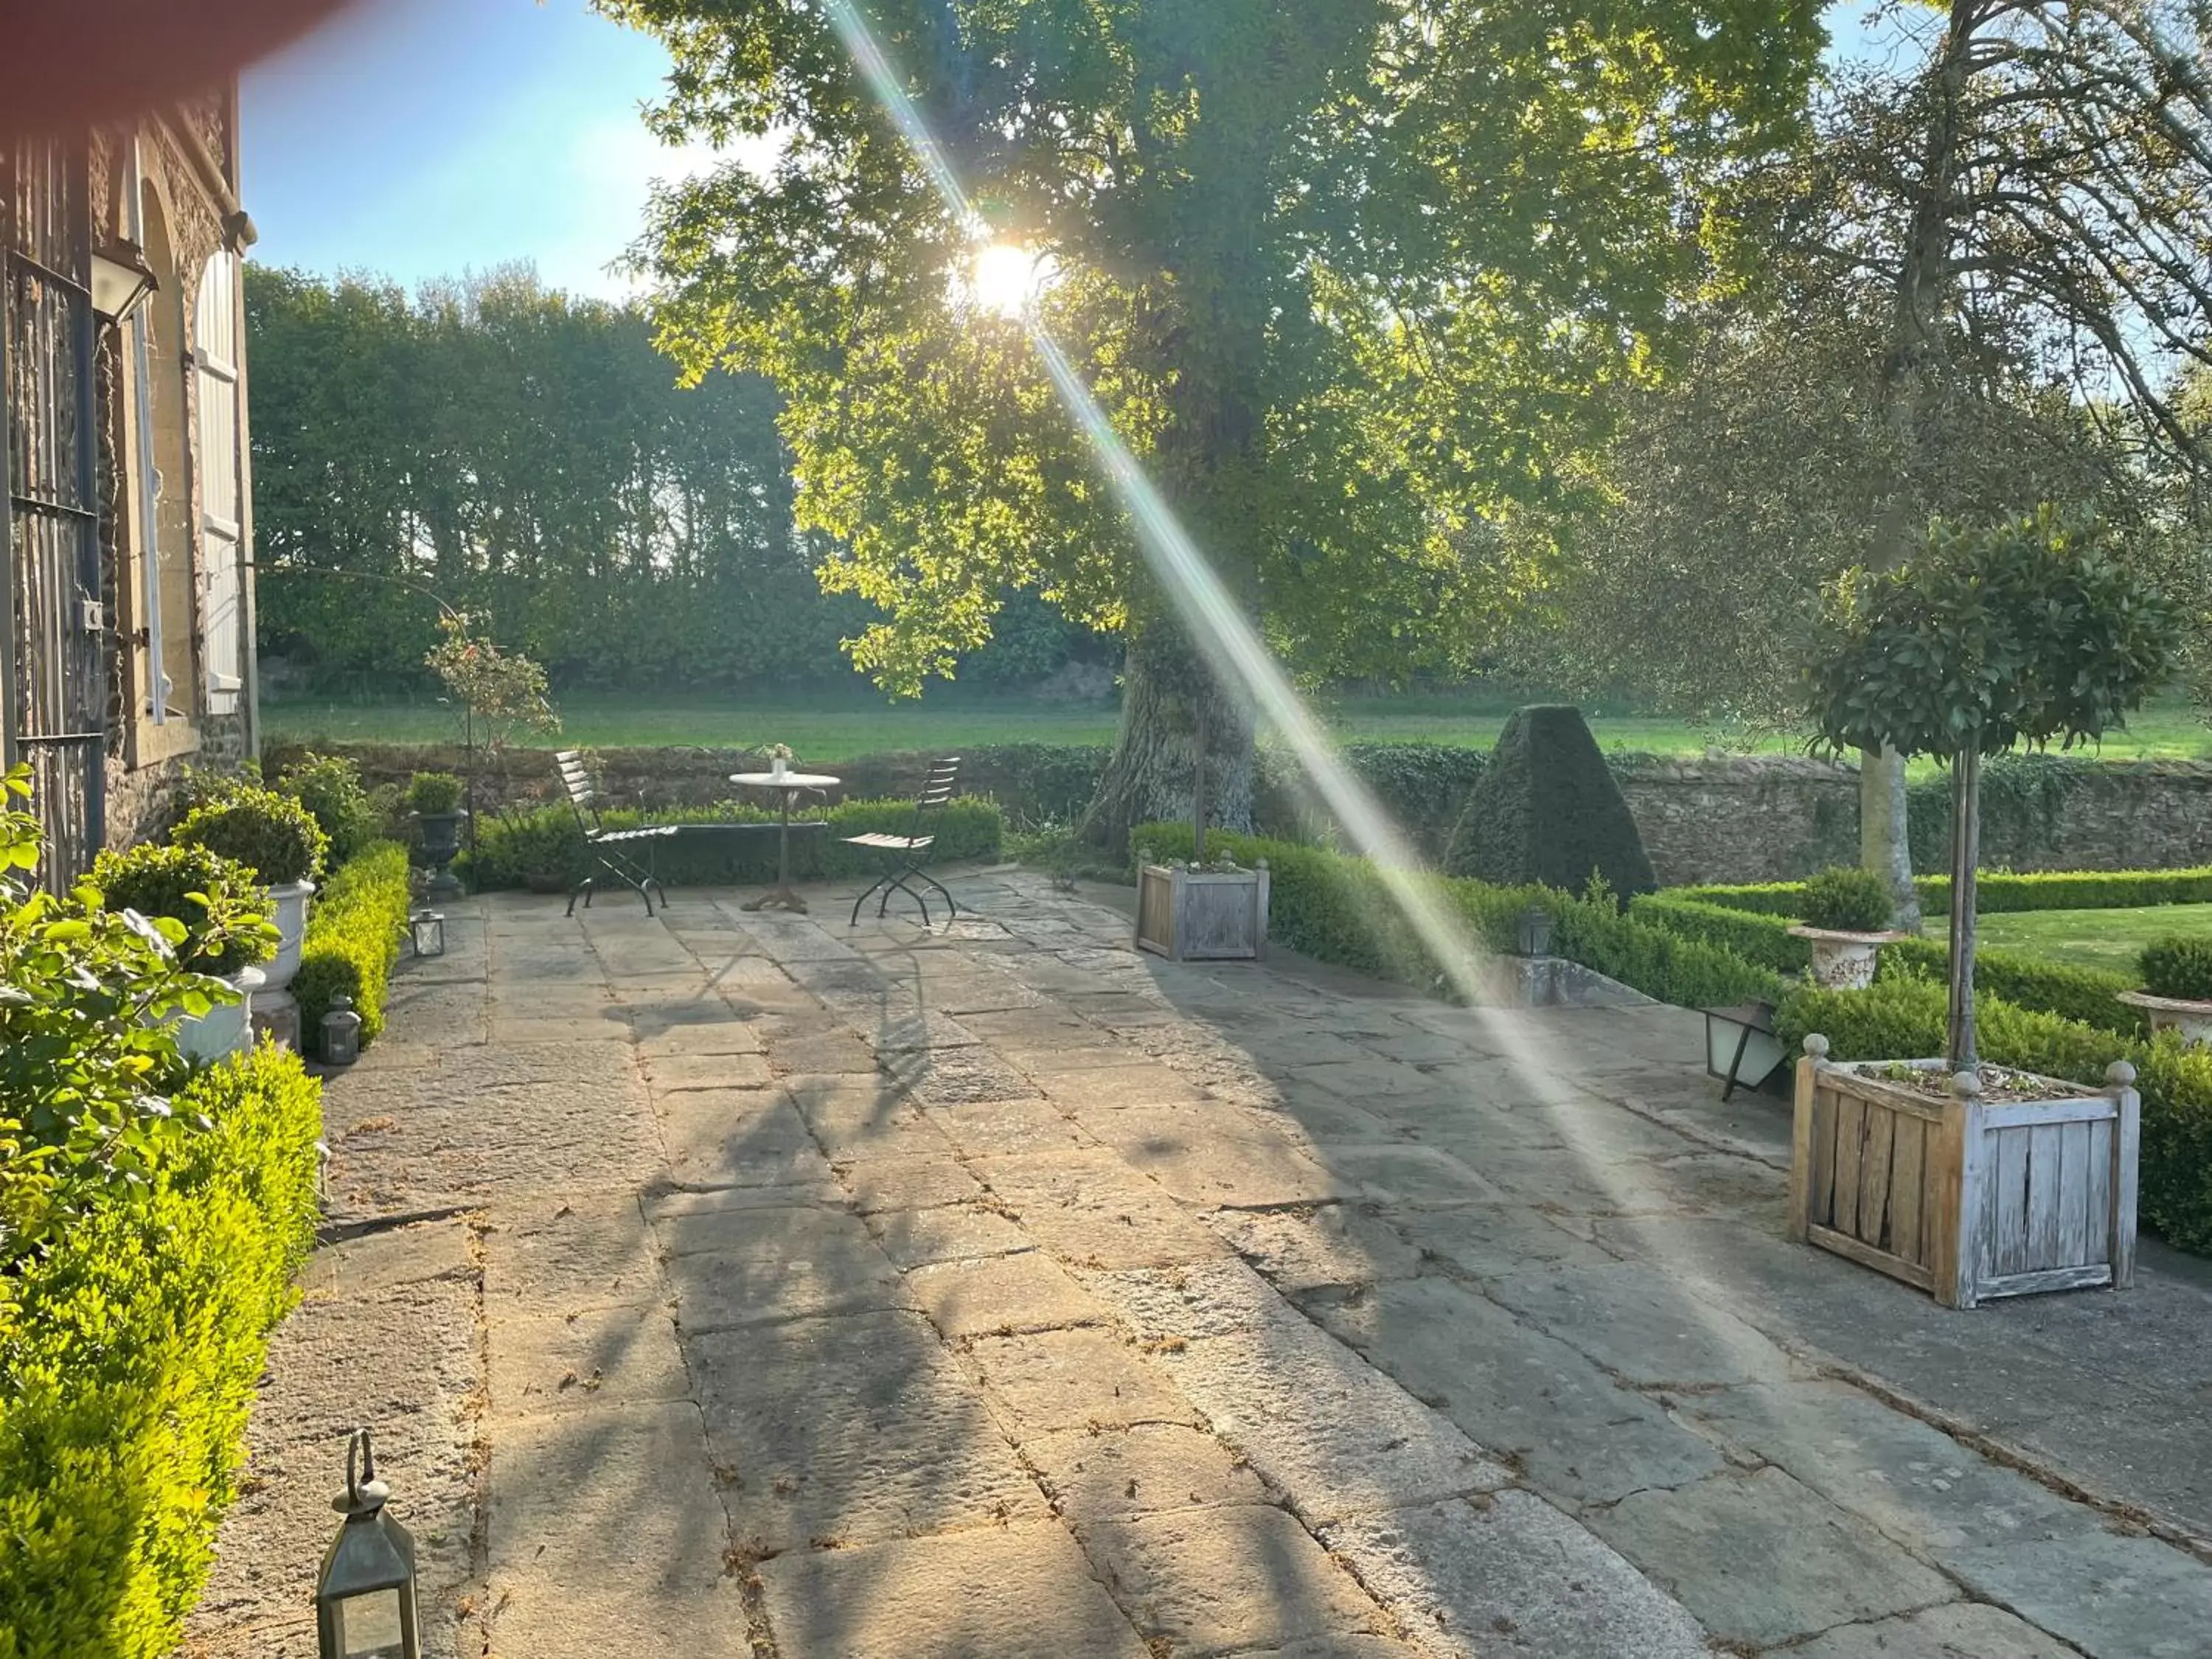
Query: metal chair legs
x,y
896,882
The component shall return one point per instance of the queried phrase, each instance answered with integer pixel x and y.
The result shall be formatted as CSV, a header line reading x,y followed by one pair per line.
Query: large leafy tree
x,y
2039,170
1344,274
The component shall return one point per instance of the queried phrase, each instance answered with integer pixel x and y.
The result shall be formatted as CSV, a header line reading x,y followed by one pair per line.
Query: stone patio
x,y
729,1283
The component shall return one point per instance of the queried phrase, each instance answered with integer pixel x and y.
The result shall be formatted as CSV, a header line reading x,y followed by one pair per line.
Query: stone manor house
x,y
127,594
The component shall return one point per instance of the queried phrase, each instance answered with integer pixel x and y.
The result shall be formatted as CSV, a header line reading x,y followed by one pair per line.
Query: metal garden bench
x,y
911,852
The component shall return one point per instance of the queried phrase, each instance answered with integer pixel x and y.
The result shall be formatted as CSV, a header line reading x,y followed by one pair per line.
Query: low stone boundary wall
x,y
1719,818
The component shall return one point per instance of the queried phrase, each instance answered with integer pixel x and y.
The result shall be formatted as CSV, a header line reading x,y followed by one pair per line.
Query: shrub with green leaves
x,y
1995,892
1846,900
271,835
129,1350
433,794
2179,966
330,788
1337,909
1755,936
353,939
511,848
215,901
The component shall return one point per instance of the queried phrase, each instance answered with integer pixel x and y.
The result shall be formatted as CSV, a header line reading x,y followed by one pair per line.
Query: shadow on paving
x,y
1555,1233
1000,1291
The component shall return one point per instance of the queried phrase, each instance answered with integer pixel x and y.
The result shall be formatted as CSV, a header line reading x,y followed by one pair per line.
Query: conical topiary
x,y
1546,809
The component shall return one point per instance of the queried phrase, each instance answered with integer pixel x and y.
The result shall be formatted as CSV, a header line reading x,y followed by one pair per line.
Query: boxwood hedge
x,y
129,1354
353,930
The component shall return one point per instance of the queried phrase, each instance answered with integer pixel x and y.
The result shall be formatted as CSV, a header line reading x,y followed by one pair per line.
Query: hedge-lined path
x,y
1002,1292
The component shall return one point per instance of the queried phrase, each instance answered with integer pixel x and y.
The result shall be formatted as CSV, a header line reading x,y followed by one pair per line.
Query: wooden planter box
x,y
1202,915
1965,1198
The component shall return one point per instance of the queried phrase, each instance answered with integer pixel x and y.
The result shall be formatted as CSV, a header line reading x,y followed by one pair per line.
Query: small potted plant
x,y
779,760
1845,919
222,929
435,798
1204,910
2176,993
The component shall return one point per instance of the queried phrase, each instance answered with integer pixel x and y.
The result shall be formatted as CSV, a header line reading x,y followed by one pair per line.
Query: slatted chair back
x,y
582,798
937,788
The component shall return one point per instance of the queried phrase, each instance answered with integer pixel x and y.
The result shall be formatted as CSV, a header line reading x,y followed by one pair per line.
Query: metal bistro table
x,y
789,786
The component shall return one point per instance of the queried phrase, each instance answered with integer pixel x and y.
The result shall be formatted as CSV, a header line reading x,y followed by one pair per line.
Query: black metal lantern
x,y
1741,1046
365,1596
1535,939
427,930
340,1033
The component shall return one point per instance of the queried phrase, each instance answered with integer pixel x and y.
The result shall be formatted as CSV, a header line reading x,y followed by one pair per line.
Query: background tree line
x,y
527,455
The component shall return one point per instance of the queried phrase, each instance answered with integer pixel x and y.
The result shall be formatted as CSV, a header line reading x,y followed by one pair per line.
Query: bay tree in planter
x,y
1844,917
1974,1182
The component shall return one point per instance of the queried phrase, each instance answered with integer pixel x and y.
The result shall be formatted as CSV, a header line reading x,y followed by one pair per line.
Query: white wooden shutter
x,y
215,356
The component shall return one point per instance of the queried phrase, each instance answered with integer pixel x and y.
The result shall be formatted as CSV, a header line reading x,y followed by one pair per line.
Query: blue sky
x,y
424,138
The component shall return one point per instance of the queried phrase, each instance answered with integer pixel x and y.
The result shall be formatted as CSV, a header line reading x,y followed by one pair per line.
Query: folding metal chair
x,y
606,845
912,850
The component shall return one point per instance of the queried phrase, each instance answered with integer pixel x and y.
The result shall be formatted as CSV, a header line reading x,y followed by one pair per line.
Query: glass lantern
x,y
340,1033
365,1595
427,930
1535,932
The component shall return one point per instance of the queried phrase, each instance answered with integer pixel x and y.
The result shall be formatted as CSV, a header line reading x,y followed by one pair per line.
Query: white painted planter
x,y
1202,915
2191,1020
222,1032
1841,961
1965,1198
289,905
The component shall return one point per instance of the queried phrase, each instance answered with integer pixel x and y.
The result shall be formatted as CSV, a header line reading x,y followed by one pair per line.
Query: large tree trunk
x,y
1924,280
1168,698
1884,845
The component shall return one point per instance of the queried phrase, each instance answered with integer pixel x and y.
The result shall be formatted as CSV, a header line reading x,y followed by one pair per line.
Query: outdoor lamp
x,y
120,282
1535,932
428,928
365,1596
1741,1046
340,1033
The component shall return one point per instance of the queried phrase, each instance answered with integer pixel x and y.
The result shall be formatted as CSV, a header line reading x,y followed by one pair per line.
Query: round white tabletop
x,y
788,780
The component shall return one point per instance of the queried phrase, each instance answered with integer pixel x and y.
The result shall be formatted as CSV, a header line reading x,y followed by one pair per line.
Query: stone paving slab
x,y
605,1533
1960,1631
945,1232
1018,1592
1510,1577
1530,1398
1637,1322
1302,1249
1001,1295
1760,1559
1212,1581
541,1362
1073,1379
1092,1475
853,1429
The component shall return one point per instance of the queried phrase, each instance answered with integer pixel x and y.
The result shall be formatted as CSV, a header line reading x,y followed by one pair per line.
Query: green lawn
x,y
837,725
2087,939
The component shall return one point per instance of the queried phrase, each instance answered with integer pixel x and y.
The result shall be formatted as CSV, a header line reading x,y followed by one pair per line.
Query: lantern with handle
x,y
365,1596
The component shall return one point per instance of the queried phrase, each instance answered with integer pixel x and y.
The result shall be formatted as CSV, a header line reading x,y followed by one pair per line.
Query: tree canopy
x,y
1343,274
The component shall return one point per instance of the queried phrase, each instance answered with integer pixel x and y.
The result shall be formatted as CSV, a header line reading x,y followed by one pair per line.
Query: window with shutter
x,y
215,357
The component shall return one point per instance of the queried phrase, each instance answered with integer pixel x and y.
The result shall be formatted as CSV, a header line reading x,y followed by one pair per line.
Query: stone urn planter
x,y
222,1032
441,835
1965,1194
1202,915
1844,960
2190,1020
276,1011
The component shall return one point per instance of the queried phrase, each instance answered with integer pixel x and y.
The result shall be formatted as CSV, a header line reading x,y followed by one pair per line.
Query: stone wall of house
x,y
141,791
1727,818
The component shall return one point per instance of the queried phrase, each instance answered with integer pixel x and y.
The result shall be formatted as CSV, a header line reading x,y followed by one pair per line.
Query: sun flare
x,y
1004,279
